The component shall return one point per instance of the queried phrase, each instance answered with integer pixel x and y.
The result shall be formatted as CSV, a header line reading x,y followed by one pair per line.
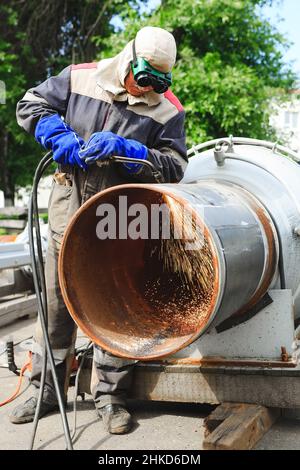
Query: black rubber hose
x,y
82,356
11,358
40,288
33,223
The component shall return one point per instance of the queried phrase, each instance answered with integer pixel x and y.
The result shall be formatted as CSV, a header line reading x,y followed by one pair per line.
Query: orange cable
x,y
16,393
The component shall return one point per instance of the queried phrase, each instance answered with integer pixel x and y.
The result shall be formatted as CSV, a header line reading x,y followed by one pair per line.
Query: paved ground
x,y
157,425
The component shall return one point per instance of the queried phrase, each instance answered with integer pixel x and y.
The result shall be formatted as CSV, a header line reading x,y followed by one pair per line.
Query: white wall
x,y
23,194
286,120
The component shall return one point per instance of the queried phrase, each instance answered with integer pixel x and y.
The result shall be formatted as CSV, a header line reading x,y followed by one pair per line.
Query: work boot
x,y
24,413
115,418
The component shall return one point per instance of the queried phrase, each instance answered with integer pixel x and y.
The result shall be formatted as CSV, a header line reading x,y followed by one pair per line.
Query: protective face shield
x,y
145,75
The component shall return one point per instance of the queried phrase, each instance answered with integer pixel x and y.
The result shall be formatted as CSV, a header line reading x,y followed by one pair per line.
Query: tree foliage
x,y
37,39
230,64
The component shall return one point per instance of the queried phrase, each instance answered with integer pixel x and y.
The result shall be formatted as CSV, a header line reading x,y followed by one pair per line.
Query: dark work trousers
x,y
111,375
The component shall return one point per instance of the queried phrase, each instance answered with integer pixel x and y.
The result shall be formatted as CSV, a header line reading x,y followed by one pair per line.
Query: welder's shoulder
x,y
173,101
168,108
85,66
83,78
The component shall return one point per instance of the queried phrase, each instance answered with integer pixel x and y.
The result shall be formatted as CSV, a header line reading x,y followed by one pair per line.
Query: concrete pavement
x,y
159,426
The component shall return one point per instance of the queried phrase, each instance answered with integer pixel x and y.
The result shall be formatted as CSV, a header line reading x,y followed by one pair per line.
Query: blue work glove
x,y
54,134
103,145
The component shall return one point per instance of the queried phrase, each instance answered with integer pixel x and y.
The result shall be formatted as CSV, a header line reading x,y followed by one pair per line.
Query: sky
x,y
289,11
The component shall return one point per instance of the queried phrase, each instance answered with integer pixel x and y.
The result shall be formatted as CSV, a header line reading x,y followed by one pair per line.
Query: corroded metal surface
x,y
106,288
130,305
221,362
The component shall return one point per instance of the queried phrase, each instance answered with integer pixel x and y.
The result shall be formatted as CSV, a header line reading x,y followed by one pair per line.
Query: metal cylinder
x,y
106,282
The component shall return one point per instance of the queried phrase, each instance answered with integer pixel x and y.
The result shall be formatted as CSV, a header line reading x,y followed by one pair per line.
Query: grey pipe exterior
x,y
269,172
245,239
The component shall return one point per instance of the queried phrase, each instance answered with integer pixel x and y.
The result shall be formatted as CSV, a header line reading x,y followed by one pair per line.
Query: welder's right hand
x,y
106,144
54,134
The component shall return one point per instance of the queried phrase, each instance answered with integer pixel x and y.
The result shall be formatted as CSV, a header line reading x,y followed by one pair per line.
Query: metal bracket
x,y
219,155
234,321
222,147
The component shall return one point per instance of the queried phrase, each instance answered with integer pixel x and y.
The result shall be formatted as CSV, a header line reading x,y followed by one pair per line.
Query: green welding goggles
x,y
145,75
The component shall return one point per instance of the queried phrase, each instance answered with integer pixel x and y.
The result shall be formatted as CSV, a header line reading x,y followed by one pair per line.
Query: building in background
x,y
286,121
23,194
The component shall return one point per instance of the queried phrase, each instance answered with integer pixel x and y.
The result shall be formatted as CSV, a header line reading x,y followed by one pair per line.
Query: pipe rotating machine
x,y
245,196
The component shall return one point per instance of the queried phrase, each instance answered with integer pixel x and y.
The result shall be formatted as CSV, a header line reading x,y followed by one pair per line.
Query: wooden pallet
x,y
237,426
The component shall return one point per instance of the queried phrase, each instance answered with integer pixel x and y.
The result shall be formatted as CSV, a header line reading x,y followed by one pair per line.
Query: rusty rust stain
x,y
219,361
129,324
126,324
284,354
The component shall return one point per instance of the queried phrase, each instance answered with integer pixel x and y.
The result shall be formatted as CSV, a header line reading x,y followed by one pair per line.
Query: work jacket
x,y
76,95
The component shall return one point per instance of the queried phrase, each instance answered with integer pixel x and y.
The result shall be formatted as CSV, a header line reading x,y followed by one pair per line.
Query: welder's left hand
x,y
103,145
53,133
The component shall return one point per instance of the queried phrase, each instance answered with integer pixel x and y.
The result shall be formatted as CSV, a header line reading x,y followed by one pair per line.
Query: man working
x,y
89,112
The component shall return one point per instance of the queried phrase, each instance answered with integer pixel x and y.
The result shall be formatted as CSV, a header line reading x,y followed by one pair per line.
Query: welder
x,y
85,115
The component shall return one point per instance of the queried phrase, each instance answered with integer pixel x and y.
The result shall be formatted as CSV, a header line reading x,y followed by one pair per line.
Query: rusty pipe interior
x,y
123,297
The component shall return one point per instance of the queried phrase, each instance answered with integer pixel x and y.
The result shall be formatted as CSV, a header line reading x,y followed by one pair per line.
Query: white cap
x,y
157,46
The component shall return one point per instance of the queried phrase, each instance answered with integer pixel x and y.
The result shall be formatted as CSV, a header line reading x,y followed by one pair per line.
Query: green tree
x,y
37,39
230,64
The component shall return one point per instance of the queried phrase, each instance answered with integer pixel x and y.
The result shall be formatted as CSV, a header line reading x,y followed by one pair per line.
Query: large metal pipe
x,y
106,283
